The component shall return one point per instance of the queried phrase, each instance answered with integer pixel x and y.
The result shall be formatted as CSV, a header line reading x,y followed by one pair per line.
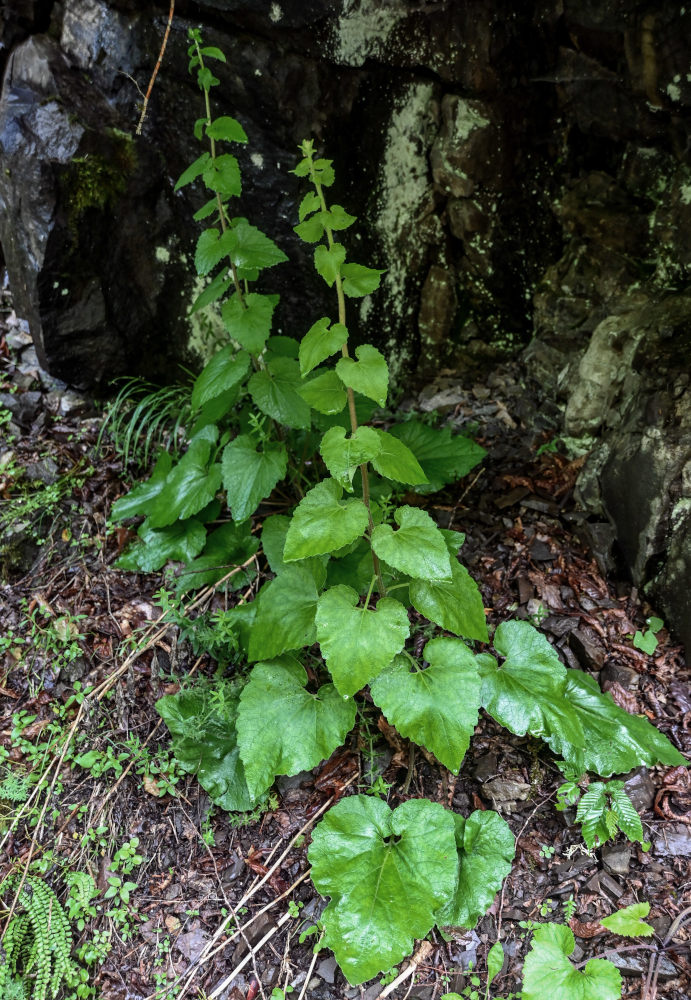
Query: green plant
x,y
604,808
647,641
36,943
143,419
547,851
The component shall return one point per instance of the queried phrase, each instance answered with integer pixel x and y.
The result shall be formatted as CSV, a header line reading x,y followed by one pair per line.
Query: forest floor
x,y
169,870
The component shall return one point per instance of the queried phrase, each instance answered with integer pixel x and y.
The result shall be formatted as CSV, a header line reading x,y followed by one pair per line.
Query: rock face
x,y
519,170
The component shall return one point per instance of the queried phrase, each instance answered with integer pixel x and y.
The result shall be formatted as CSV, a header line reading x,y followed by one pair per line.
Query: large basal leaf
x,y
189,486
436,707
285,616
323,522
526,693
283,728
249,475
417,549
355,642
387,873
368,375
343,455
274,390
444,457
486,848
615,741
140,500
320,342
180,541
324,393
396,461
456,605
225,371
547,971
204,742
226,548
249,324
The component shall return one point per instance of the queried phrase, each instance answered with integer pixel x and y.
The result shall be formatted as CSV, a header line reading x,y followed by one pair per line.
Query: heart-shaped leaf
x,y
526,694
436,707
248,320
343,455
320,342
418,548
274,390
547,971
323,522
629,922
455,605
368,375
358,643
249,475
486,848
283,728
387,873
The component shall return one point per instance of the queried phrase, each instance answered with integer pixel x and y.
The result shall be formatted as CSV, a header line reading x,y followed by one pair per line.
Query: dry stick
x,y
650,985
421,955
238,968
147,95
311,968
208,953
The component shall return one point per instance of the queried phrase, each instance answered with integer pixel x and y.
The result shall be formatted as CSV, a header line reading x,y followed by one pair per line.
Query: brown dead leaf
x,y
590,929
173,924
152,787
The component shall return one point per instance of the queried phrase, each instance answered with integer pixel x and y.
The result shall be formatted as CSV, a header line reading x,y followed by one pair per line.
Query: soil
x,y
200,865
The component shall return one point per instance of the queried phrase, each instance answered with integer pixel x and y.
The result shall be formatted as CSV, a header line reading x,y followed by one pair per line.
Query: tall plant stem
x,y
351,395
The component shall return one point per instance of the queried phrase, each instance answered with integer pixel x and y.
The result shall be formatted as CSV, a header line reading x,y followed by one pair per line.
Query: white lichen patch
x,y
403,184
363,29
673,92
685,193
466,119
206,330
257,160
275,14
162,255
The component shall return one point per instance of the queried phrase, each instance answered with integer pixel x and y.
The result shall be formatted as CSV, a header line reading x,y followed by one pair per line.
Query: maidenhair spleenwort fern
x,y
35,956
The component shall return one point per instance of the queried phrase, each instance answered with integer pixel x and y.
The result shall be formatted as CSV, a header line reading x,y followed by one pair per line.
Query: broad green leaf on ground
x,y
189,486
547,971
226,128
328,261
274,390
436,708
454,540
359,280
204,742
526,693
285,616
227,548
417,549
387,874
324,393
250,249
368,375
343,455
396,461
615,741
486,848
225,371
629,922
323,522
456,605
250,324
222,175
283,728
355,642
194,170
320,342
180,541
249,475
444,457
141,498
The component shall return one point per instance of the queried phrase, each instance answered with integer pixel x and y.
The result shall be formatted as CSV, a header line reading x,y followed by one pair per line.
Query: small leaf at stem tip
x,y
368,375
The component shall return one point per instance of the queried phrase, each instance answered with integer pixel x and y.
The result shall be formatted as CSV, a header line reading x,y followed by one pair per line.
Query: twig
x,y
421,955
311,968
147,95
238,968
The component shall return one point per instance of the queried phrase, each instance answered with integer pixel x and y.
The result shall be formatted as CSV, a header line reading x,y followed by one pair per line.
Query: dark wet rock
x,y
637,965
617,858
45,470
23,406
640,788
589,652
675,841
616,673
326,969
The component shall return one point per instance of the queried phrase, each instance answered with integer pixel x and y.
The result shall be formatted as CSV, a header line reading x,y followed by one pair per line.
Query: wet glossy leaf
x,y
436,707
358,643
141,498
225,371
283,728
323,522
274,390
387,873
417,548
486,848
456,605
396,461
189,486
